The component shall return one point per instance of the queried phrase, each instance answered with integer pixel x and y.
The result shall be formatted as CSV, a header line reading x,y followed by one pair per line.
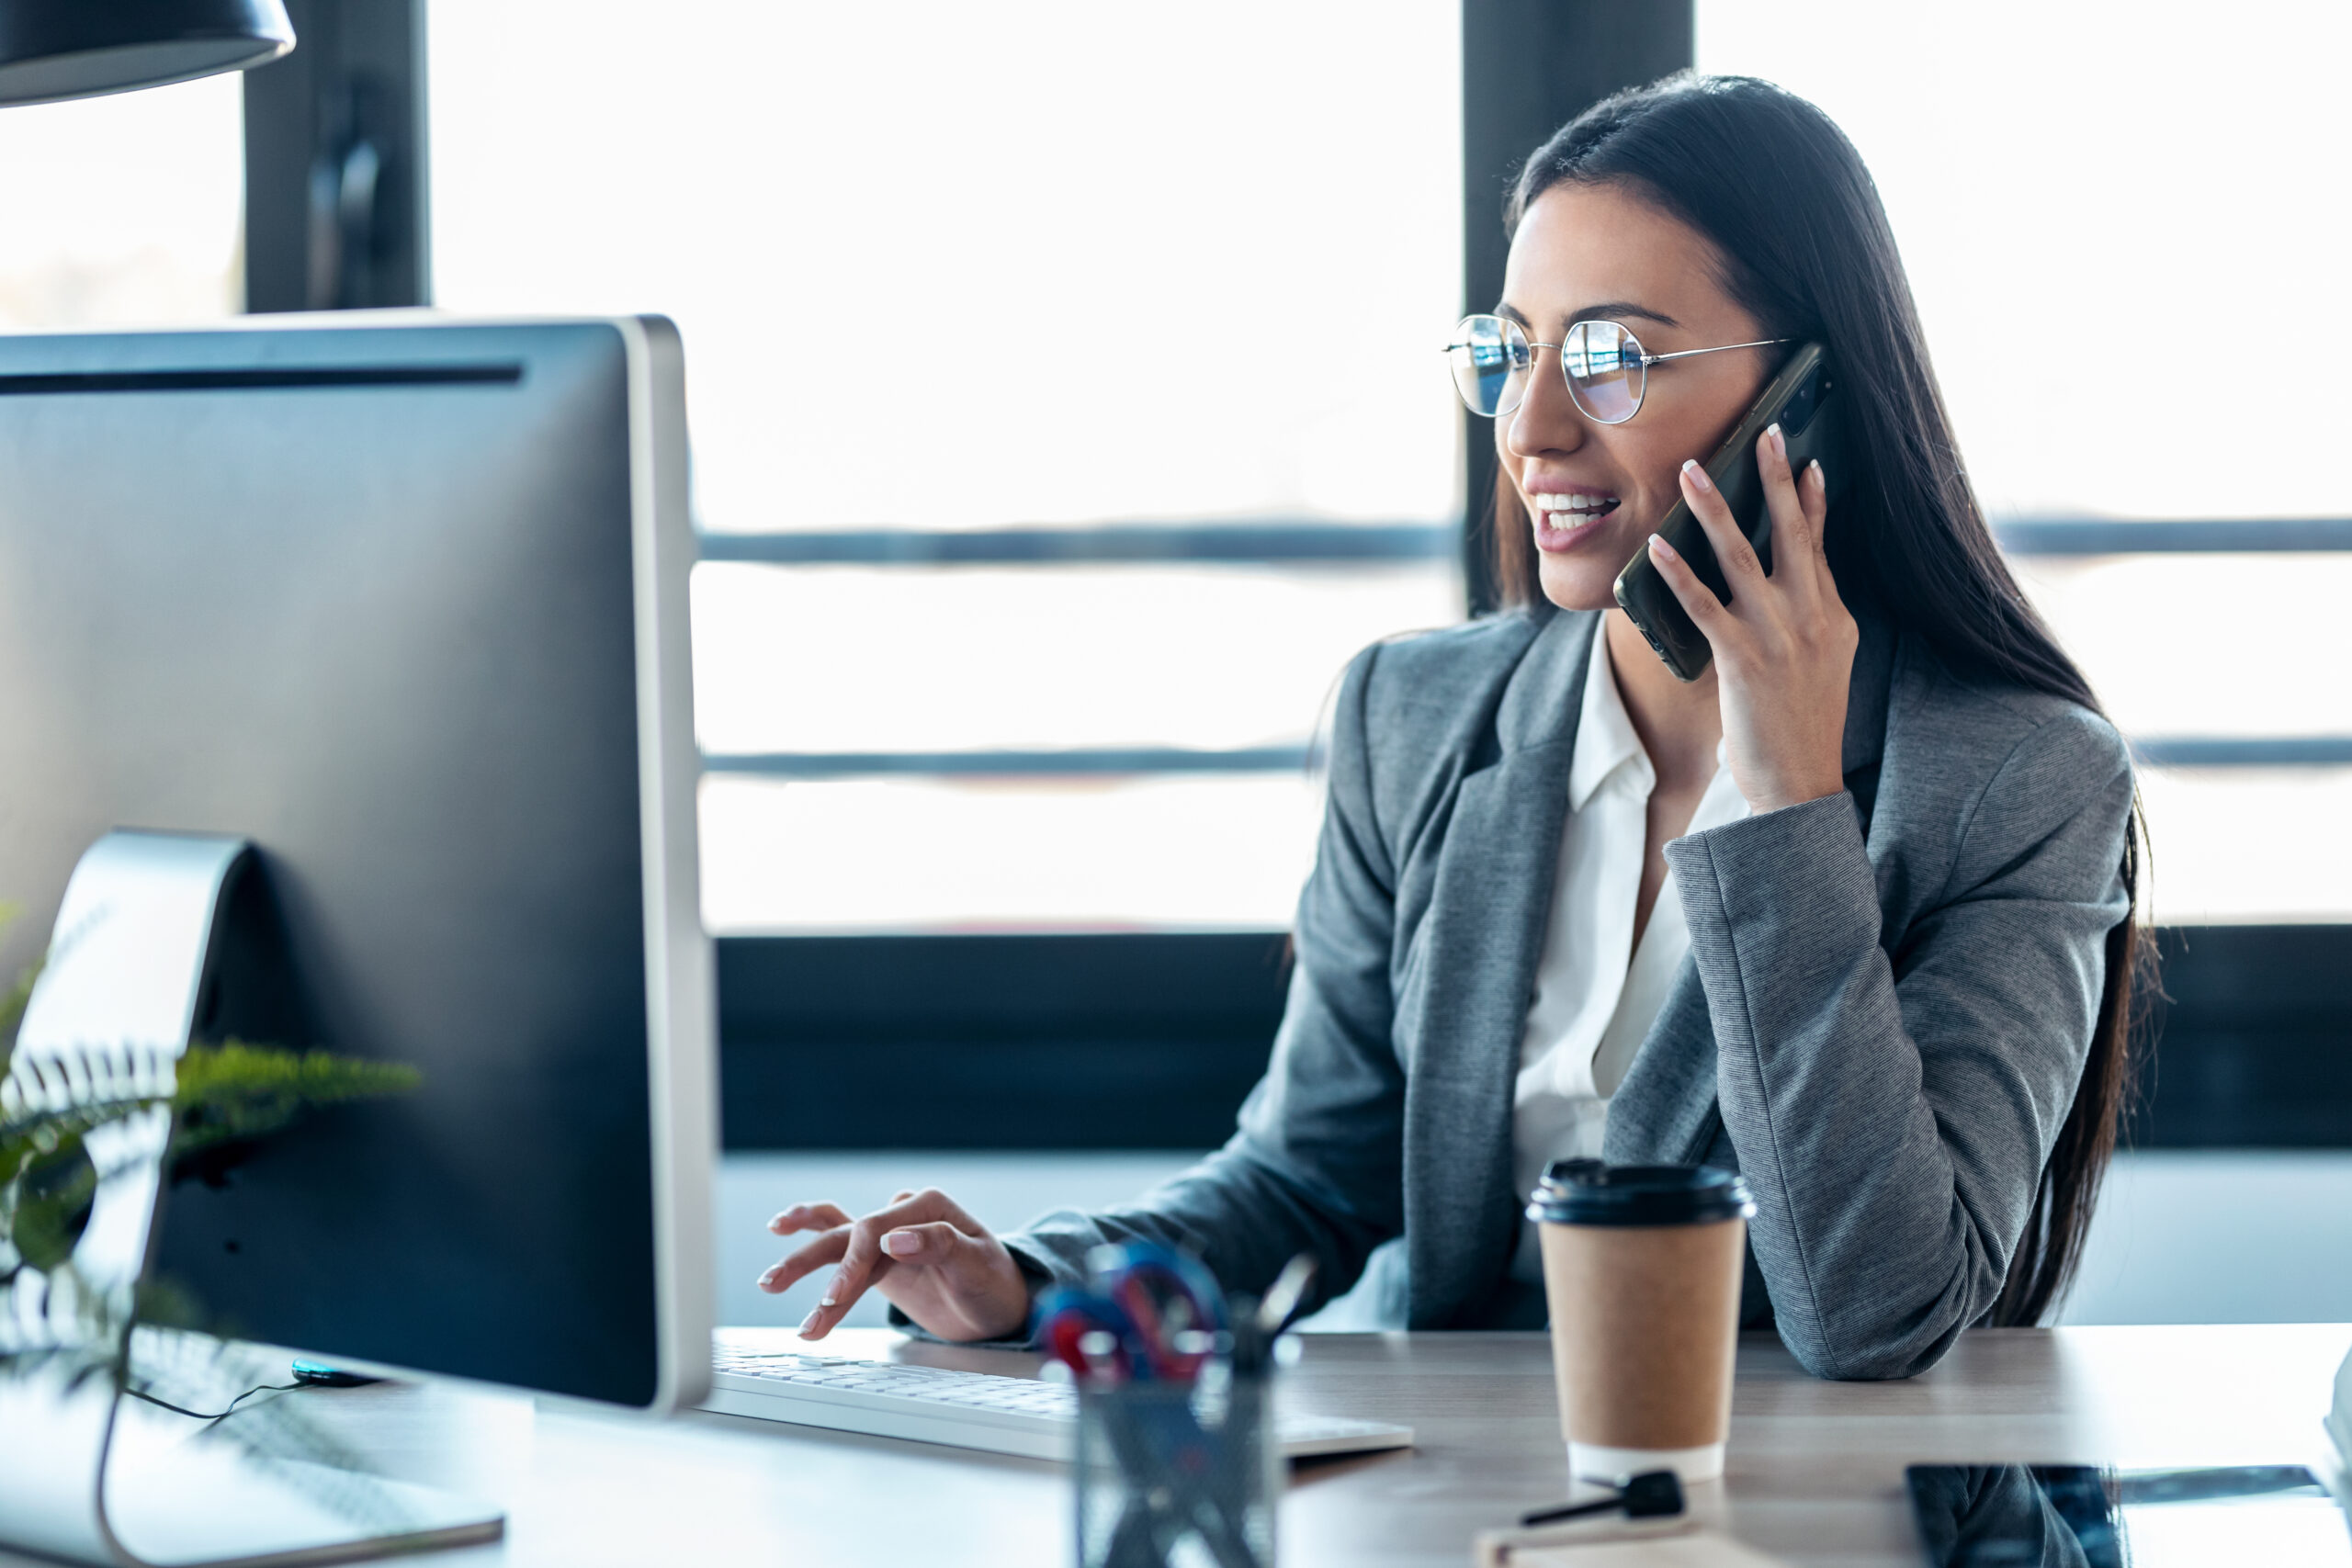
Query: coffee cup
x,y
1641,1267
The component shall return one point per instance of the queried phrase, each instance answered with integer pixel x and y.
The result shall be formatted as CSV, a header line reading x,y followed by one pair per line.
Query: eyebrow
x,y
1607,311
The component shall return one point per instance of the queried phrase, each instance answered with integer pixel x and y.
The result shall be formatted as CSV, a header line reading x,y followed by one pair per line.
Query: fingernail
x,y
1779,442
810,1322
1819,477
1696,475
901,1243
767,1279
1659,547
833,1291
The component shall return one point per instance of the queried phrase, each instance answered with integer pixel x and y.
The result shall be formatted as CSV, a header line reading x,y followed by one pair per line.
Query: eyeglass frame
x,y
1643,354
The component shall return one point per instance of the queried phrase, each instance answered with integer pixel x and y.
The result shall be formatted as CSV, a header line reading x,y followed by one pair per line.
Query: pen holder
x,y
1177,1475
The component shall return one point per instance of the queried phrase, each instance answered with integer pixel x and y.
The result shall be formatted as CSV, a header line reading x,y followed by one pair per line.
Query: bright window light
x,y
2123,226
1190,851
946,266
124,210
2154,633
858,659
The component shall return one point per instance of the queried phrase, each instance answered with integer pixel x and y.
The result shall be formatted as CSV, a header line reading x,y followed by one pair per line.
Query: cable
x,y
1651,1495
217,1416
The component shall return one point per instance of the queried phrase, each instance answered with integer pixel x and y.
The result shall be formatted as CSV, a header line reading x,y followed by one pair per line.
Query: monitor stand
x,y
87,1474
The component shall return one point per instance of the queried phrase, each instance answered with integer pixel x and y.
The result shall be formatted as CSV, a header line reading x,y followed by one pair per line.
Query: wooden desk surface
x,y
1815,1473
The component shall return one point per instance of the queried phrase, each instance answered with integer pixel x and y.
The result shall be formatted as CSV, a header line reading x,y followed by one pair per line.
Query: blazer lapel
x,y
1866,696
1665,1112
1484,930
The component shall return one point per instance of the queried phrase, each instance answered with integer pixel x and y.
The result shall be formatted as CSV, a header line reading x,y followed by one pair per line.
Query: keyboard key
x,y
1055,1404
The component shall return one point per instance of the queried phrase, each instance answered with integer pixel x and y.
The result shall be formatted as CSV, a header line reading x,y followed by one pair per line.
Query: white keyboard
x,y
965,1410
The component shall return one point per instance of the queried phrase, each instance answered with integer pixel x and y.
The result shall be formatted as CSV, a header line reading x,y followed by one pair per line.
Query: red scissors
x,y
1153,1315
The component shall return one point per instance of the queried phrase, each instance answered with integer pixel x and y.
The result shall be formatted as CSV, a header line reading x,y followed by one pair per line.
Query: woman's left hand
x,y
1784,646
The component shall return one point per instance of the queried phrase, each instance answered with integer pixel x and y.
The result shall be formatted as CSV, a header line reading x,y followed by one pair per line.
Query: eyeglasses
x,y
1607,370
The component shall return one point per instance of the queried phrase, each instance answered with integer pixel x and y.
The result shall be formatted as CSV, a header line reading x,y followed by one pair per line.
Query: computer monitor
x,y
401,601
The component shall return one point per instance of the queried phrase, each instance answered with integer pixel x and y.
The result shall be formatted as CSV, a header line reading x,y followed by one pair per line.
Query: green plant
x,y
13,999
190,1107
232,1092
229,1093
75,1335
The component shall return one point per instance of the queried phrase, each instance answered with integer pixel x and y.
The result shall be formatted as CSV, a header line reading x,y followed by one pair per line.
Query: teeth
x,y
1551,502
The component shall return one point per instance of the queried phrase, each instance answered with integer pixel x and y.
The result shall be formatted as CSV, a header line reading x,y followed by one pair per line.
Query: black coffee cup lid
x,y
1589,1193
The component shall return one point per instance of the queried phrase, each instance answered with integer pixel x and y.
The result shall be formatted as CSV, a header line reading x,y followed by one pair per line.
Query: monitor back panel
x,y
364,596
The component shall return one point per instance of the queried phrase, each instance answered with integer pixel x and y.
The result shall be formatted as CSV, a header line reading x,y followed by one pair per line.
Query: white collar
x,y
1605,737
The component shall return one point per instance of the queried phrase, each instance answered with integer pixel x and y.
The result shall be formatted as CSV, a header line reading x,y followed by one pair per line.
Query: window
x,y
2129,278
122,210
1146,289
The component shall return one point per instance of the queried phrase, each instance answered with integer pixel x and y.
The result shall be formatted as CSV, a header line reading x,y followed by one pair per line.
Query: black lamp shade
x,y
79,49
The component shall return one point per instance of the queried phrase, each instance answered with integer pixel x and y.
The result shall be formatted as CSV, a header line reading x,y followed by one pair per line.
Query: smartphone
x,y
1803,398
1997,1516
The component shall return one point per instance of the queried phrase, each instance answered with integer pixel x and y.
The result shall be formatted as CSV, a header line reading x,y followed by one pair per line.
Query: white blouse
x,y
1597,993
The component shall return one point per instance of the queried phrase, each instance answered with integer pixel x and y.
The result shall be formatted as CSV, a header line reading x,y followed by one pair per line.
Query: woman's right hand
x,y
940,1266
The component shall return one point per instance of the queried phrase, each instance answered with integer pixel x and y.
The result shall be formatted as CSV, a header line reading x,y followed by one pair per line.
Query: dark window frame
x,y
336,208
1151,1040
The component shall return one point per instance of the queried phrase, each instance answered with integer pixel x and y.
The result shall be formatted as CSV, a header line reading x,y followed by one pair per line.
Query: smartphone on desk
x,y
1803,400
1997,1516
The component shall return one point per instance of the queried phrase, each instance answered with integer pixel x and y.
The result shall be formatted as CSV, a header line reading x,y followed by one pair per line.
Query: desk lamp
x,y
53,50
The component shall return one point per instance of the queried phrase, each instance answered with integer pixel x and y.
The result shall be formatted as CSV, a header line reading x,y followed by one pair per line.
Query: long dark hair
x,y
1804,246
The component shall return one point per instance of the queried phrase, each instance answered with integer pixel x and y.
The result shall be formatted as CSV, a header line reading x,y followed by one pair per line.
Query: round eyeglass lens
x,y
1603,364
1490,358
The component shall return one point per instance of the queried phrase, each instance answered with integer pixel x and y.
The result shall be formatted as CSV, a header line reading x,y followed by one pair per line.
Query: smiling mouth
x,y
1566,511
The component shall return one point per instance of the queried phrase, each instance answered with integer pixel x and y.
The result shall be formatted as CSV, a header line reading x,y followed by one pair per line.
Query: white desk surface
x,y
1815,1470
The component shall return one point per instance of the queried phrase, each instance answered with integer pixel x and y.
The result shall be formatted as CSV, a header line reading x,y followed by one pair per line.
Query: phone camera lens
x,y
1798,413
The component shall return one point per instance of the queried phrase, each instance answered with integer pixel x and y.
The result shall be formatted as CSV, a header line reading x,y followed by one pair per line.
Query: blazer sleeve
x,y
1315,1163
1893,1112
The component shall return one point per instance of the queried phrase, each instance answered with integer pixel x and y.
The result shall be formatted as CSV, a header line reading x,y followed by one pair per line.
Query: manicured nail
x,y
767,1279
1696,475
902,1244
833,1291
809,1322
1779,442
1660,548
1819,477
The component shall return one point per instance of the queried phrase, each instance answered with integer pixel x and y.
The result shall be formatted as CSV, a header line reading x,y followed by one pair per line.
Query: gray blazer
x,y
1887,1008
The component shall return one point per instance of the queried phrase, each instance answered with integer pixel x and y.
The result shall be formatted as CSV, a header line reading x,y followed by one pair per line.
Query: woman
x,y
1852,913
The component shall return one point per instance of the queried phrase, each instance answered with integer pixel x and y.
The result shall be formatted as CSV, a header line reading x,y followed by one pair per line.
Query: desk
x,y
1815,1471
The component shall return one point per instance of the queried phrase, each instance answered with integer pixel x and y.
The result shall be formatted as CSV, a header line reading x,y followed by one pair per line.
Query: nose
x,y
1547,419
